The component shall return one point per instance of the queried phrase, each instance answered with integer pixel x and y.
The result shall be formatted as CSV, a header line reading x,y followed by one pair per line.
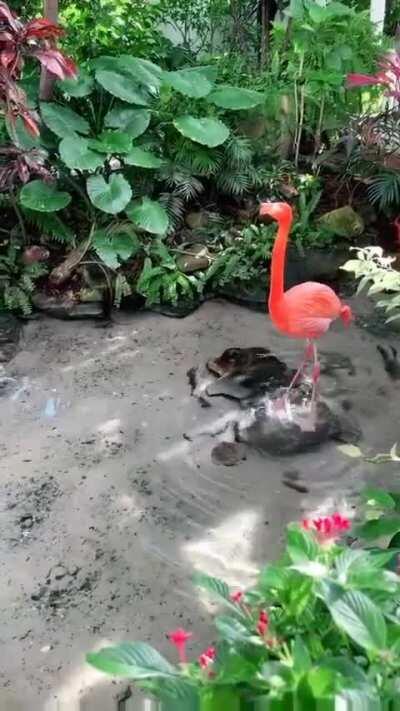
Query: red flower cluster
x,y
38,39
327,528
207,658
263,622
237,597
179,638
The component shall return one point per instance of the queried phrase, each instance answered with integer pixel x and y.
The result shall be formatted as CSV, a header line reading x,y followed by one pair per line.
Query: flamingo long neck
x,y
276,290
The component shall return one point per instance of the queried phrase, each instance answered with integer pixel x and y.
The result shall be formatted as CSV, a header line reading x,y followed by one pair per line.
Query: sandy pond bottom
x,y
107,509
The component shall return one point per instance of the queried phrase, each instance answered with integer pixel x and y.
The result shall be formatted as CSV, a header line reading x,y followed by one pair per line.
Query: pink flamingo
x,y
304,311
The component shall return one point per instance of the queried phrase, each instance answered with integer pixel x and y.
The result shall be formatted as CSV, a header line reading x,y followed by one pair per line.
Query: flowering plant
x,y
322,623
388,75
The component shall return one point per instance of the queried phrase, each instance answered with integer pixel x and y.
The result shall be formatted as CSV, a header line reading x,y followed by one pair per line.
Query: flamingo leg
x,y
316,372
308,355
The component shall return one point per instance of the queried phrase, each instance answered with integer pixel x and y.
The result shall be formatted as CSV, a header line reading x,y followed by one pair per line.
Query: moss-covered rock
x,y
344,222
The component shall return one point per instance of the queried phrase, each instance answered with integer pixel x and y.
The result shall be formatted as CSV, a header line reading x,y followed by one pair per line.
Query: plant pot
x,y
220,699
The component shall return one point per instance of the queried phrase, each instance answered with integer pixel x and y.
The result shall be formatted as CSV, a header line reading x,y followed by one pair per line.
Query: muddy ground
x,y
110,498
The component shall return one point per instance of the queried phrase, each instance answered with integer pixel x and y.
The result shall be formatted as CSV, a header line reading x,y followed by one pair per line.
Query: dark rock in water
x,y
227,453
349,431
314,265
332,361
182,309
10,330
256,369
390,361
277,438
66,307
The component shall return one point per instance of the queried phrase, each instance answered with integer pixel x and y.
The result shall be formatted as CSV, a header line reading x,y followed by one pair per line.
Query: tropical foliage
x,y
321,624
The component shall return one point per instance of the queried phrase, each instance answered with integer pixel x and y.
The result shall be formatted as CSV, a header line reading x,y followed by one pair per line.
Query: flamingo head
x,y
346,315
279,211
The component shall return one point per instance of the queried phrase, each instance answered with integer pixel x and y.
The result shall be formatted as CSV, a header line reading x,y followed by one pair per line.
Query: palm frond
x,y
50,225
384,189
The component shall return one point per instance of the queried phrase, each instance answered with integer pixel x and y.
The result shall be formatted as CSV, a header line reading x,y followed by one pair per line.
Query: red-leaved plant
x,y
18,40
388,75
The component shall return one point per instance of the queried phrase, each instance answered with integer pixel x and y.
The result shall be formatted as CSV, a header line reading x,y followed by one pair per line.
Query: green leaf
x,y
301,657
301,545
321,681
144,71
360,619
378,527
142,158
218,588
19,135
133,660
234,632
114,248
190,83
123,87
111,197
62,120
377,498
78,88
132,121
232,668
149,215
76,154
311,568
273,577
207,131
112,142
43,197
235,98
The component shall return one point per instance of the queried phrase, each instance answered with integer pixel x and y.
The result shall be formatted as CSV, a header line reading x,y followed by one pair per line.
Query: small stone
x,y
26,521
227,453
46,648
59,572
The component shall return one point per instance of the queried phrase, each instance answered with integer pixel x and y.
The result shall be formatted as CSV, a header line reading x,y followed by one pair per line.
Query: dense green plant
x,y
321,625
374,271
121,147
17,279
304,80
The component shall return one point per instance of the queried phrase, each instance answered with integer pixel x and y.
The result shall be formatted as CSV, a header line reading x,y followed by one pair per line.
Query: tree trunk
x,y
50,11
264,33
377,13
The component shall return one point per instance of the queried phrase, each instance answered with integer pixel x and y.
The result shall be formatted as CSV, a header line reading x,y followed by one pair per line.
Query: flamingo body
x,y
306,310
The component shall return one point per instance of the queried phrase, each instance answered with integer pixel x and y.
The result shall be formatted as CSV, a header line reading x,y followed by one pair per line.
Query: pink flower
x,y
263,622
179,639
237,597
207,658
328,528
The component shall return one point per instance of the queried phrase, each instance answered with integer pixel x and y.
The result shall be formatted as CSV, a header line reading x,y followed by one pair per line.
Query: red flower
x,y
263,622
207,657
327,528
237,597
179,639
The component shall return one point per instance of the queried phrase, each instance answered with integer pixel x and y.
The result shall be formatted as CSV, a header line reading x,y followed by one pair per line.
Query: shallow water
x,y
107,508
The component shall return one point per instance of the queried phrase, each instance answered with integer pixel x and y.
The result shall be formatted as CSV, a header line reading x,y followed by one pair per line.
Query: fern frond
x,y
238,151
50,225
233,183
183,183
175,207
198,159
384,190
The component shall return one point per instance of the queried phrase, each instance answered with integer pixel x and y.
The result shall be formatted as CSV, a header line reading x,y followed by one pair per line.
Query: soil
x,y
111,496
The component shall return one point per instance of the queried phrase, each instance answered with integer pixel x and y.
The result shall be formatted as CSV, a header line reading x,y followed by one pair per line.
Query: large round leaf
x,y
122,86
76,154
114,247
141,70
234,98
207,131
142,158
62,120
149,215
132,121
189,83
82,86
111,197
43,197
112,142
144,72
